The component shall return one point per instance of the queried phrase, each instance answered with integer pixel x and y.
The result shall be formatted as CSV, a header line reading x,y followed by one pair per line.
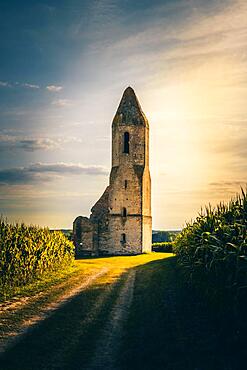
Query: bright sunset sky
x,y
63,68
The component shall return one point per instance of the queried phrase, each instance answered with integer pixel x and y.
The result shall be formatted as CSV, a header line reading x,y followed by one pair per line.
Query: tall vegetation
x,y
27,252
166,247
213,252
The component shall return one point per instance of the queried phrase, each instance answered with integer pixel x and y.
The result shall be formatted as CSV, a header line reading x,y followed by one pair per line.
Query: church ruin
x,y
120,222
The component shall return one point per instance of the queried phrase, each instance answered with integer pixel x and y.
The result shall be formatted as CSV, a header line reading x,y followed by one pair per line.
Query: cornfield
x,y
27,252
212,251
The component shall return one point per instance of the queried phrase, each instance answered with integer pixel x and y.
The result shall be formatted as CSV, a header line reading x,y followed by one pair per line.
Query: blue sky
x,y
63,68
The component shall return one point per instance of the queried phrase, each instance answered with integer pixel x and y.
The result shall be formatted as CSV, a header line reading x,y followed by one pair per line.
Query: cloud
x,y
31,145
54,88
61,168
191,37
19,192
15,176
41,172
24,84
30,86
8,142
4,84
224,188
63,103
231,141
227,183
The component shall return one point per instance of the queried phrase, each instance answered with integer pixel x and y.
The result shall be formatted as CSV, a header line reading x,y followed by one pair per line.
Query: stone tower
x,y
121,219
130,196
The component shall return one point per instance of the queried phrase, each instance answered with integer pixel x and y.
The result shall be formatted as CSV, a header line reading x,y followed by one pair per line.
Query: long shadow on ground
x,y
171,328
67,338
167,328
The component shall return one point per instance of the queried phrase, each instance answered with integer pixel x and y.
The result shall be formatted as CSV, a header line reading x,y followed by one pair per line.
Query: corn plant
x,y
27,252
213,252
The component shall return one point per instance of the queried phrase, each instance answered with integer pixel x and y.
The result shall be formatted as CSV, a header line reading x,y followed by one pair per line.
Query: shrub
x,y
166,247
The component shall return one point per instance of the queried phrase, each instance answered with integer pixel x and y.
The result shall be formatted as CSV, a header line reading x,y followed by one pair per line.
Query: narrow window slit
x,y
126,142
123,238
124,213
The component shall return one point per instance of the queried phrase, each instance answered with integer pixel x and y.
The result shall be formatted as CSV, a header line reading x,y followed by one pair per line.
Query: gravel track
x,y
110,340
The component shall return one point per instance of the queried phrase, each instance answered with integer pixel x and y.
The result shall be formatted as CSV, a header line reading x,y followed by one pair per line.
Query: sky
x,y
63,68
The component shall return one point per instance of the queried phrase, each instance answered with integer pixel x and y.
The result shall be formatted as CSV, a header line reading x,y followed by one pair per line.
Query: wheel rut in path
x,y
14,336
111,337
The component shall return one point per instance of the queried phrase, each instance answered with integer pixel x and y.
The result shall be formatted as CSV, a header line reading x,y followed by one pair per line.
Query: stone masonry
x,y
120,222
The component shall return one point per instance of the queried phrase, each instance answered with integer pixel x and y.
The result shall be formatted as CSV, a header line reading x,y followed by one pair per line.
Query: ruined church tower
x,y
121,222
130,196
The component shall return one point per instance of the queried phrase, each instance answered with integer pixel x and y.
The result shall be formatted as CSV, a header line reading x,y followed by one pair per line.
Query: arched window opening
x,y
123,238
126,148
125,184
124,212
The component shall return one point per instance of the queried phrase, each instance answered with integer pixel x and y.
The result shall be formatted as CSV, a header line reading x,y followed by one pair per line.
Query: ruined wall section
x,y
100,219
83,230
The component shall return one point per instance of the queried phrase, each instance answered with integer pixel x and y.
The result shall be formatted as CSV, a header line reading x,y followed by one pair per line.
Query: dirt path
x,y
109,342
84,326
13,336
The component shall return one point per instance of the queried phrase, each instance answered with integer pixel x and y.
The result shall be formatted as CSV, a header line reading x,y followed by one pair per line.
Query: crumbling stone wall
x,y
100,218
83,236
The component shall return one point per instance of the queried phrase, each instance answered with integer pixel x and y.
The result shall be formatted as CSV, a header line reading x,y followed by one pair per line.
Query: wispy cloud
x,y
63,103
31,145
227,183
19,84
4,84
225,188
30,86
54,88
193,38
68,168
51,88
40,172
8,142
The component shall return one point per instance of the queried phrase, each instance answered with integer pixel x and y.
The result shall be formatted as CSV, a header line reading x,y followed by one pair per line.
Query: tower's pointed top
x,y
129,111
129,92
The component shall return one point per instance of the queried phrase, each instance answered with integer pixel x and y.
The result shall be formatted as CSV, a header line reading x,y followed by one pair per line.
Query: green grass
x,y
42,283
